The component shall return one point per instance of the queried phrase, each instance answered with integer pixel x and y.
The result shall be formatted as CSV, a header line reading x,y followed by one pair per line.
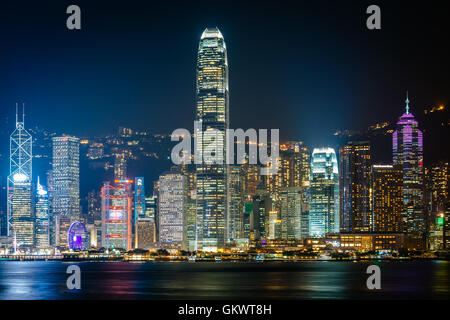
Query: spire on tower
x,y
17,113
407,103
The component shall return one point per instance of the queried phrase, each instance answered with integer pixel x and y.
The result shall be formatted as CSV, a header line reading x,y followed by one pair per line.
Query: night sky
x,y
307,67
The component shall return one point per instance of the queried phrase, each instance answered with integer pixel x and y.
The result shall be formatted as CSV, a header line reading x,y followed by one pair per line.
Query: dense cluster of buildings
x,y
317,199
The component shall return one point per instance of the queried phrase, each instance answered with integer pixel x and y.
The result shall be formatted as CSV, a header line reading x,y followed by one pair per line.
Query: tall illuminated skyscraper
x,y
354,160
116,215
236,224
262,205
172,196
65,192
212,111
407,150
139,205
291,213
19,195
386,198
42,235
189,171
324,193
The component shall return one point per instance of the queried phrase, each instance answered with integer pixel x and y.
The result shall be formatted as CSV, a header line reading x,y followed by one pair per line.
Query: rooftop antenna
x,y
23,113
17,111
407,103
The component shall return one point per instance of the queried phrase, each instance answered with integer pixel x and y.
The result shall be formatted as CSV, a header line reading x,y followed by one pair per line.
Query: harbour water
x,y
225,280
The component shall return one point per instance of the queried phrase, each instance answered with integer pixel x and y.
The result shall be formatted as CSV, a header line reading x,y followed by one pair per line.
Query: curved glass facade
x,y
212,111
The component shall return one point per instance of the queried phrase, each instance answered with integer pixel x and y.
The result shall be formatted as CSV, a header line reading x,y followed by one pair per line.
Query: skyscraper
x,y
354,187
438,186
324,193
212,111
146,227
407,150
172,198
42,234
65,192
19,195
94,207
189,171
236,225
116,215
139,205
291,213
293,169
262,205
386,198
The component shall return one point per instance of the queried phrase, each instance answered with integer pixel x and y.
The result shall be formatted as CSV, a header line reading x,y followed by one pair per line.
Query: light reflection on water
x,y
269,280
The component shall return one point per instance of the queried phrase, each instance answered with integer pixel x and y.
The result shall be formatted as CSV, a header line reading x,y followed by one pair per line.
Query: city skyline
x,y
319,189
221,150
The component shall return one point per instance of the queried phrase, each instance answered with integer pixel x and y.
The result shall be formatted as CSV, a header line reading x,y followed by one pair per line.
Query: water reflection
x,y
441,277
271,280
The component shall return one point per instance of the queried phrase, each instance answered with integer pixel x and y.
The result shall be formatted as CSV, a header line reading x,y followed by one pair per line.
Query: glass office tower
x,y
324,193
212,111
354,163
42,218
139,207
19,195
65,191
407,151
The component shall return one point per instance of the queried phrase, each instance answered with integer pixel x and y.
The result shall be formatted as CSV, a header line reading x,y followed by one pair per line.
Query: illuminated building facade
x,y
146,233
372,241
146,225
65,191
324,193
117,215
19,195
120,166
354,185
293,169
262,205
42,232
273,227
189,171
437,186
22,220
95,151
95,218
212,111
246,218
139,205
236,224
172,196
251,178
437,201
386,198
291,213
446,227
407,149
